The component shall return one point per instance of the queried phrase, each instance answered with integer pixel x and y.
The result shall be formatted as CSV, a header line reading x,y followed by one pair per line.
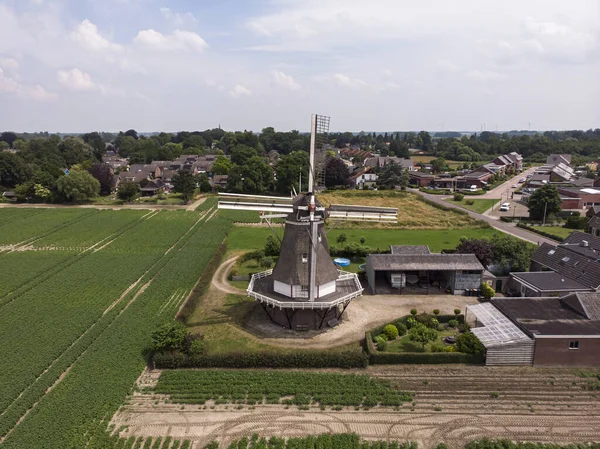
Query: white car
x,y
514,186
505,207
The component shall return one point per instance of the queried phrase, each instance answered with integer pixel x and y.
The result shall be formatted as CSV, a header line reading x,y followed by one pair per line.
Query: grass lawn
x,y
249,238
413,212
558,231
480,205
403,344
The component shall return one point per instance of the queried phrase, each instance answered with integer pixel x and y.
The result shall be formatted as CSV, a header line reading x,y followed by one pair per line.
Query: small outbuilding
x,y
414,269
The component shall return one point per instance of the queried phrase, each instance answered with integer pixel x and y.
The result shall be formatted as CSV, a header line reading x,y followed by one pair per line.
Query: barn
x,y
540,331
415,270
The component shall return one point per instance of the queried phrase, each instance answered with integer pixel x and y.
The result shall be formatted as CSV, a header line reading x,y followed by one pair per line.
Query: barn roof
x,y
426,262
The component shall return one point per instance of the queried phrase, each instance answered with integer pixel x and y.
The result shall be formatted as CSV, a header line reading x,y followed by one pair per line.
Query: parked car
x,y
473,188
522,180
514,186
505,207
529,176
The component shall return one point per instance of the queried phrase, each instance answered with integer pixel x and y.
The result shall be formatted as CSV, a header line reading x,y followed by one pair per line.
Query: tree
x,y
241,153
511,254
336,173
341,238
13,170
438,165
8,137
255,176
545,198
390,331
127,191
400,149
184,182
131,133
272,246
468,343
422,334
104,173
393,175
169,337
222,166
78,185
482,248
288,169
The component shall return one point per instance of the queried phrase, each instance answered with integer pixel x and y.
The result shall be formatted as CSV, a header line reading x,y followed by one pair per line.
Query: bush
x,y
391,331
401,328
272,247
453,324
381,342
458,197
469,202
487,291
468,343
413,312
438,346
436,312
263,359
456,311
574,222
266,262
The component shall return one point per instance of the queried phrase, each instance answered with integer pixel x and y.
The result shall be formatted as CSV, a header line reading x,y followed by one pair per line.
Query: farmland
x,y
88,286
256,387
454,404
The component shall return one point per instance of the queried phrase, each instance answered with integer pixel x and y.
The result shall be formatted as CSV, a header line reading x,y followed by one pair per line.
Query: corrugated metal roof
x,y
426,262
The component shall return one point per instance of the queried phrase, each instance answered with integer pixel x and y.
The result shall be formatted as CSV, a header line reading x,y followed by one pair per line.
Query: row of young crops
x,y
323,441
114,442
257,387
87,333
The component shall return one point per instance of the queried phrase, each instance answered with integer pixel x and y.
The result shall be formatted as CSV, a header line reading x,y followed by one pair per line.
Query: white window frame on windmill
x,y
304,257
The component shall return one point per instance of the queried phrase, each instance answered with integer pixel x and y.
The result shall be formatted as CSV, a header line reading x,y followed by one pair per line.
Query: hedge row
x,y
540,232
436,191
266,359
391,358
442,207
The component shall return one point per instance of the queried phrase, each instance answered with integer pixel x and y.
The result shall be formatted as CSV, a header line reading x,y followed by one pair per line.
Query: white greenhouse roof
x,y
497,329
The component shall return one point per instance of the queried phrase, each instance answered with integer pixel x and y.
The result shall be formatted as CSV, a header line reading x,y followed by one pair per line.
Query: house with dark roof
x,y
219,181
593,224
555,159
511,162
381,162
572,266
420,179
561,331
414,269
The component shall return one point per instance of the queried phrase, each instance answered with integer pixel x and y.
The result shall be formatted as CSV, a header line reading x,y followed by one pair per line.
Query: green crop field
x,y
80,292
256,387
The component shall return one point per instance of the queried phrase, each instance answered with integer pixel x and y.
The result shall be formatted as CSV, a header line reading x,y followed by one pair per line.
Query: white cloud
x,y
9,64
447,66
239,91
10,85
76,80
286,81
178,40
177,19
346,81
86,34
484,75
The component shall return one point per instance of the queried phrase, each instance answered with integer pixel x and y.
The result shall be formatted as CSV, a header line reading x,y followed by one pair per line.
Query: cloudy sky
x,y
83,65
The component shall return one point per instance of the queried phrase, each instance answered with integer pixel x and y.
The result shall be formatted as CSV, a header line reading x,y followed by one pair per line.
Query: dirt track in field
x,y
453,404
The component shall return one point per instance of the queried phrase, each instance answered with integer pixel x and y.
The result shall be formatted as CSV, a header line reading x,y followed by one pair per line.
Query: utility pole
x,y
544,220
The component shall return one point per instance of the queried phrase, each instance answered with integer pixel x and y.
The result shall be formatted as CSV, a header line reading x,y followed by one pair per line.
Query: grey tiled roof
x,y
549,281
571,264
427,262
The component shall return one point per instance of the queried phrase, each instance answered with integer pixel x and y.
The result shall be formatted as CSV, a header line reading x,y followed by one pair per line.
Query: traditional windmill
x,y
305,289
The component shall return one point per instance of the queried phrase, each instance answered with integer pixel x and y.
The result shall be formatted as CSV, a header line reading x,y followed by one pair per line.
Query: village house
x,y
364,178
380,162
571,266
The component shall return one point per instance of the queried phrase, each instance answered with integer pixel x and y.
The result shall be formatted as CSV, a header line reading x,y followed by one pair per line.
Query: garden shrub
x,y
436,312
456,311
469,202
381,342
468,343
487,291
453,324
458,197
391,331
401,328
413,312
438,346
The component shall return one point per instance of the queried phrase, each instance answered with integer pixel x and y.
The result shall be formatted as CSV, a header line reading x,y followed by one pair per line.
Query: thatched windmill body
x,y
305,290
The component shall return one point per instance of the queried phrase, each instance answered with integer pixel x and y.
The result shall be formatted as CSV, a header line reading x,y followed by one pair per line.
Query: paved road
x,y
494,222
505,189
